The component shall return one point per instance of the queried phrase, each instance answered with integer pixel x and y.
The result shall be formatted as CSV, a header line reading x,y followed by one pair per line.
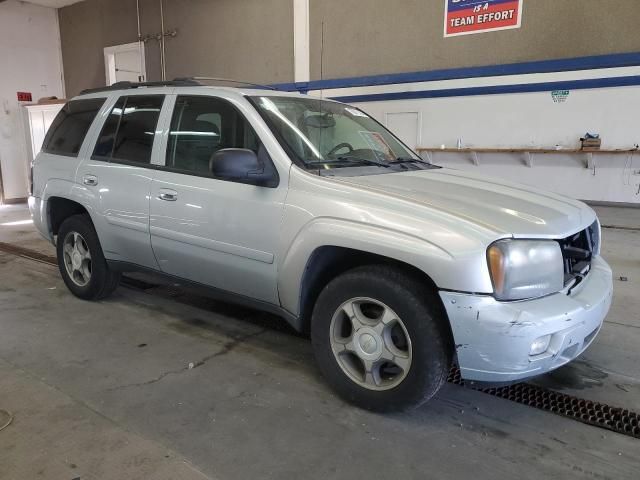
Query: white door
x,y
125,63
405,125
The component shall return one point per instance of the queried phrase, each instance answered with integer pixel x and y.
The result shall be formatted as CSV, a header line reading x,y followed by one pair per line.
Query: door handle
x,y
168,196
90,180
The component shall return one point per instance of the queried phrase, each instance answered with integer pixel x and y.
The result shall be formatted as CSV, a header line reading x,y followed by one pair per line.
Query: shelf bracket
x,y
528,159
591,164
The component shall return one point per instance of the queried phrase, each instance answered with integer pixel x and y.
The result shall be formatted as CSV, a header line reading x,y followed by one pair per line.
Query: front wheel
x,y
81,261
381,338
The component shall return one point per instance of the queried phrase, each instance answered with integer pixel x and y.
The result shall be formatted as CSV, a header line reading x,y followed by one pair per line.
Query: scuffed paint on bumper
x,y
493,339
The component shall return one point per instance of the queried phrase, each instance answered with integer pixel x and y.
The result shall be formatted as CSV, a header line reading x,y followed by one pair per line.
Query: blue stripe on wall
x,y
544,66
496,89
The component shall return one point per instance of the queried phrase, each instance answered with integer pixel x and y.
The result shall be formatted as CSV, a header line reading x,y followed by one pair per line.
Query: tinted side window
x,y
67,132
129,130
200,127
104,145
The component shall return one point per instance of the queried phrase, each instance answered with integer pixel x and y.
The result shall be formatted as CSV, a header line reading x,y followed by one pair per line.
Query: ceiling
x,y
54,3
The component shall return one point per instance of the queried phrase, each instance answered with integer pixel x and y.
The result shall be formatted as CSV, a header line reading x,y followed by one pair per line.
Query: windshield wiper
x,y
422,163
401,160
351,160
368,161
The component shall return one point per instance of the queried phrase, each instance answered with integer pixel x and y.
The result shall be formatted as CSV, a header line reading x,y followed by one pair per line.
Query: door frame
x,y
418,124
110,60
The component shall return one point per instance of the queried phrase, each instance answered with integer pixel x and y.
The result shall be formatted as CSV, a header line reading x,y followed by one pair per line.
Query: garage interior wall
x,y
253,40
407,35
512,75
250,40
31,62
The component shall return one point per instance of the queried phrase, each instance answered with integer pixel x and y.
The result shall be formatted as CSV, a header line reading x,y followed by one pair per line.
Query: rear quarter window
x,y
67,132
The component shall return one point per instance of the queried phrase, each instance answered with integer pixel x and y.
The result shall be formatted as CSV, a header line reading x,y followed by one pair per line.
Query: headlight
x,y
522,269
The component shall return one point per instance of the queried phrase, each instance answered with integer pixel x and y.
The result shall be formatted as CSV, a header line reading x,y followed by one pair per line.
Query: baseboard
x,y
14,201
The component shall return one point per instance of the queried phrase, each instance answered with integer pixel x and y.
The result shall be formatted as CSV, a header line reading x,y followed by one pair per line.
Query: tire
x,y
88,278
343,353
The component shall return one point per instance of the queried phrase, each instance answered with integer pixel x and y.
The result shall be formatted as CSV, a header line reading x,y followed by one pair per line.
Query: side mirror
x,y
244,166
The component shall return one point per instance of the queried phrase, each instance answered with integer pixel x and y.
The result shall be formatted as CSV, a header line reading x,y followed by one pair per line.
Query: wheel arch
x,y
326,247
60,208
329,261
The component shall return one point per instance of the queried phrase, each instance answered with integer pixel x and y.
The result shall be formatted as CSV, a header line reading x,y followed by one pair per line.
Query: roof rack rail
x,y
227,80
178,82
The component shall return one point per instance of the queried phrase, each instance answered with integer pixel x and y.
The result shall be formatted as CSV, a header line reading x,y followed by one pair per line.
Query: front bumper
x,y
493,339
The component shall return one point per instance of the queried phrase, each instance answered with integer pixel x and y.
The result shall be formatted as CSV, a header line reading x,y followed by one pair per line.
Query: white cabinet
x,y
14,169
22,131
39,118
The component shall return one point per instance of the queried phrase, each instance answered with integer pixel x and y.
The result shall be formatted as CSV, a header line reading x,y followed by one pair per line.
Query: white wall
x,y
523,120
30,61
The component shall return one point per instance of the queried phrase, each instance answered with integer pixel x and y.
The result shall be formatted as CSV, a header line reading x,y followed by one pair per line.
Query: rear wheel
x,y
81,261
381,339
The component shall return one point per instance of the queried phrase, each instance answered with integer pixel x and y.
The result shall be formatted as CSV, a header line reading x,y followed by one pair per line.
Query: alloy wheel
x,y
77,258
370,343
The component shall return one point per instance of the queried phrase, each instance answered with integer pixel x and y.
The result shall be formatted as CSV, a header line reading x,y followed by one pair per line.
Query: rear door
x,y
115,179
212,231
64,144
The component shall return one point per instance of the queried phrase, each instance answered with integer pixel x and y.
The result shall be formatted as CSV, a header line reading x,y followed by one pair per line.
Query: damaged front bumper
x,y
494,339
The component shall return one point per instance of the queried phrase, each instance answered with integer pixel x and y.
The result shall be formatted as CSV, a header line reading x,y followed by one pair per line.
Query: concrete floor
x,y
104,391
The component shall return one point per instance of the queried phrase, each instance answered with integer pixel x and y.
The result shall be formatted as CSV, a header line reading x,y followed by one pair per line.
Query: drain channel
x,y
27,253
616,419
51,260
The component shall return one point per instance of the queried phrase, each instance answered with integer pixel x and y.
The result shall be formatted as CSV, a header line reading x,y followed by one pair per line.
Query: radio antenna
x,y
321,85
322,61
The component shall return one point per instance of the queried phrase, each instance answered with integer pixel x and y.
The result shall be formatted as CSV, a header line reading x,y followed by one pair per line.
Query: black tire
x,y
422,313
103,281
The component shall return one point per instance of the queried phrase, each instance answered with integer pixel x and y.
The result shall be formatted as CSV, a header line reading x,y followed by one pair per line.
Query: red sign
x,y
25,97
463,17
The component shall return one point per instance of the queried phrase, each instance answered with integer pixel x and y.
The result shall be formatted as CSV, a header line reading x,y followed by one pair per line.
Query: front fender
x,y
320,232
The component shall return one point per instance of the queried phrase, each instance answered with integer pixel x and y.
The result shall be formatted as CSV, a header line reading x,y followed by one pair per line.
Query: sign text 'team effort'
x,y
464,17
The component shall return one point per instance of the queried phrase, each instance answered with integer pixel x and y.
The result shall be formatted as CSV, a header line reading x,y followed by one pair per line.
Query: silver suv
x,y
313,210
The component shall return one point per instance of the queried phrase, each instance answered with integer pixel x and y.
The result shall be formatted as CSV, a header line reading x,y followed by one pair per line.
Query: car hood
x,y
503,207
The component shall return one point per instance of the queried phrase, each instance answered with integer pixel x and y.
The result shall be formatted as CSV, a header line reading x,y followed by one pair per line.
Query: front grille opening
x,y
577,251
570,352
588,338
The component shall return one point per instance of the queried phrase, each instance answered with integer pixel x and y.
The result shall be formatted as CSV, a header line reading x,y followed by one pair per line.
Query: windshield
x,y
328,134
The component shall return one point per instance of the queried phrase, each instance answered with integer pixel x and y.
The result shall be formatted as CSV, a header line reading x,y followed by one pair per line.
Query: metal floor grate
x,y
616,419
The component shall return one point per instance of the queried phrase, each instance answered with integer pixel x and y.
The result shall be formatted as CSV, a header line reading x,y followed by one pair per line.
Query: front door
x,y
215,232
